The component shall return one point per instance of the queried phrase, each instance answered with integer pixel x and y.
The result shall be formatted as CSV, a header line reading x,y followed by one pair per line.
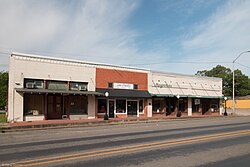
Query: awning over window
x,y
125,93
43,91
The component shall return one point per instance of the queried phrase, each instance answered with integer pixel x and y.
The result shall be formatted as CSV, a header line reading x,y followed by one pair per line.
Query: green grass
x,y
3,118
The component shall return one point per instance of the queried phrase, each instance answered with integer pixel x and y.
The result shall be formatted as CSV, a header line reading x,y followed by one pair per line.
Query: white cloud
x,y
222,36
98,30
89,30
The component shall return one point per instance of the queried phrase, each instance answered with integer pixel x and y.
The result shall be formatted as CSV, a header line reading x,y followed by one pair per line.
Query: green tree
x,y
3,89
242,81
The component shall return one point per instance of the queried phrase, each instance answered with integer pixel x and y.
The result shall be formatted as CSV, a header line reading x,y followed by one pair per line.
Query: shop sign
x,y
123,86
162,85
197,101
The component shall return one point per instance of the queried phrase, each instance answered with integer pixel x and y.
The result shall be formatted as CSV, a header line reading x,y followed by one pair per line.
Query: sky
x,y
179,36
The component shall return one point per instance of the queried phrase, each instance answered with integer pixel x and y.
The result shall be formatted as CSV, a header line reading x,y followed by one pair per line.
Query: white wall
x,y
177,84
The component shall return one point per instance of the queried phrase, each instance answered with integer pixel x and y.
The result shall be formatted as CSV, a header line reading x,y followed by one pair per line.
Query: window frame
x,y
116,106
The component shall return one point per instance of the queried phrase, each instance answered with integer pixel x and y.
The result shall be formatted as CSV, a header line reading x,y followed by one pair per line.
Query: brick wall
x,y
104,76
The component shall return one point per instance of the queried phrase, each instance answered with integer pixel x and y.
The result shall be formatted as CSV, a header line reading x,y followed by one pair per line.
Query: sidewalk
x,y
52,124
55,124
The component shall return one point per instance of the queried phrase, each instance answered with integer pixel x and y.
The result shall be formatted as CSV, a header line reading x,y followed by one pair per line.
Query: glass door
x,y
132,108
111,108
54,107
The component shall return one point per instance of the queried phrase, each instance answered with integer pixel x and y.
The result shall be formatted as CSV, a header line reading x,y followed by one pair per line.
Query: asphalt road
x,y
223,141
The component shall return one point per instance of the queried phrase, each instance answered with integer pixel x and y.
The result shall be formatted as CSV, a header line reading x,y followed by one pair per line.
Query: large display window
x,y
78,104
33,104
120,106
102,105
159,105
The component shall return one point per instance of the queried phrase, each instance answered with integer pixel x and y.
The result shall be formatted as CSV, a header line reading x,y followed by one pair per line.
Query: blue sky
x,y
181,36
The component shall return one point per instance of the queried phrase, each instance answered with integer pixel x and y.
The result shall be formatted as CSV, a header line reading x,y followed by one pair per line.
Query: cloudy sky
x,y
168,35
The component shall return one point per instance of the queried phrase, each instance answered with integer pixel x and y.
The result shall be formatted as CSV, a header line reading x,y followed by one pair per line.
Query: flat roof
x,y
105,64
185,75
75,61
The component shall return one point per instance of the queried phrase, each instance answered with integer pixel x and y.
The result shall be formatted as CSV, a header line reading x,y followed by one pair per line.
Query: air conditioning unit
x,y
30,85
82,87
74,88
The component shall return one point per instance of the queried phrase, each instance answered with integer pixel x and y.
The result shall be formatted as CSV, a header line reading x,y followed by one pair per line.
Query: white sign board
x,y
197,101
123,86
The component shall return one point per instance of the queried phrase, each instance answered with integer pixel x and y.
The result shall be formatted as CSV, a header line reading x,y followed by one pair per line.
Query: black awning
x,y
125,93
43,91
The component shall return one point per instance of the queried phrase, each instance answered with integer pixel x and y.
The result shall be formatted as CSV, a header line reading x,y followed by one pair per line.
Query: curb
x,y
8,128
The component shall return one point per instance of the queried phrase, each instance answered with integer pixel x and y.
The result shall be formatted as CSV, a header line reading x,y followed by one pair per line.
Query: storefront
x,y
190,95
126,93
46,99
206,106
44,88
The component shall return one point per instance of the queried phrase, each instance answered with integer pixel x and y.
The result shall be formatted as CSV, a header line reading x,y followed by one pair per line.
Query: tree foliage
x,y
3,89
242,82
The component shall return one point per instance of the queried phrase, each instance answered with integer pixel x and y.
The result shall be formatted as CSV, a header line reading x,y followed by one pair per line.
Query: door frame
x,y
54,104
114,106
137,106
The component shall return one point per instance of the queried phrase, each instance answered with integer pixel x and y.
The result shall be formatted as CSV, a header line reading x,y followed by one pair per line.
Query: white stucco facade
x,y
23,66
176,87
186,85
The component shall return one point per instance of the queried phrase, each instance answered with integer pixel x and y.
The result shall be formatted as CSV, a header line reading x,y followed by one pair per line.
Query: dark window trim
x,y
110,85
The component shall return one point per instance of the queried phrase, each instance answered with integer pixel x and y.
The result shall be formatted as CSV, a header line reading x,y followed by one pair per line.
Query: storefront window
x,y
33,83
78,86
78,104
158,105
57,85
120,106
141,106
215,105
102,105
183,105
33,104
196,105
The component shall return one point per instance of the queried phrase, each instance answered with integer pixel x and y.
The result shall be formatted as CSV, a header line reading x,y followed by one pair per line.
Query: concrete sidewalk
x,y
52,124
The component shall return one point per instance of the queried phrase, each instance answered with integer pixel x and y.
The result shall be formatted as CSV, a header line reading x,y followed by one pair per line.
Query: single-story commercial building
x,y
188,94
43,88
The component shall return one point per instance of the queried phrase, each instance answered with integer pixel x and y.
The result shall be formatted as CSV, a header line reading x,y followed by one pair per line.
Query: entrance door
x,y
111,108
55,107
132,108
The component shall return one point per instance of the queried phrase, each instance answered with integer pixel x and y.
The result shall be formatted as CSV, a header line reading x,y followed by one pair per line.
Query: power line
x,y
242,65
4,53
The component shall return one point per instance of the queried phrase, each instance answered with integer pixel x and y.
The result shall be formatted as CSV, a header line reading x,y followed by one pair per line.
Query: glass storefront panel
x,y
141,106
78,104
33,104
120,106
102,105
215,103
159,105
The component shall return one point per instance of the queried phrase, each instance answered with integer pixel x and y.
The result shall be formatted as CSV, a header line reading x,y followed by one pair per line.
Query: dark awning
x,y
125,93
43,91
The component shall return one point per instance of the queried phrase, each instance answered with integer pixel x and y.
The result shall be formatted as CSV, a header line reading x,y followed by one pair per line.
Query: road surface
x,y
223,141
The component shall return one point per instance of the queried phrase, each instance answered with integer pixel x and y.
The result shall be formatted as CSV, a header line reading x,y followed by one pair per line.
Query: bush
x,y
3,118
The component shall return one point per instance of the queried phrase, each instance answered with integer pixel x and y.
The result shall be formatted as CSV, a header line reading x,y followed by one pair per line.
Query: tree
x,y
242,82
3,89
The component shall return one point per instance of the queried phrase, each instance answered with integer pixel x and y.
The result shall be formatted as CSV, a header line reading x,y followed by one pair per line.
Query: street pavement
x,y
219,141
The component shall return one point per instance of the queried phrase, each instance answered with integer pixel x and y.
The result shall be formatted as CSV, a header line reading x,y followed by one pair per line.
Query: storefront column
x,y
189,106
221,106
149,108
91,107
